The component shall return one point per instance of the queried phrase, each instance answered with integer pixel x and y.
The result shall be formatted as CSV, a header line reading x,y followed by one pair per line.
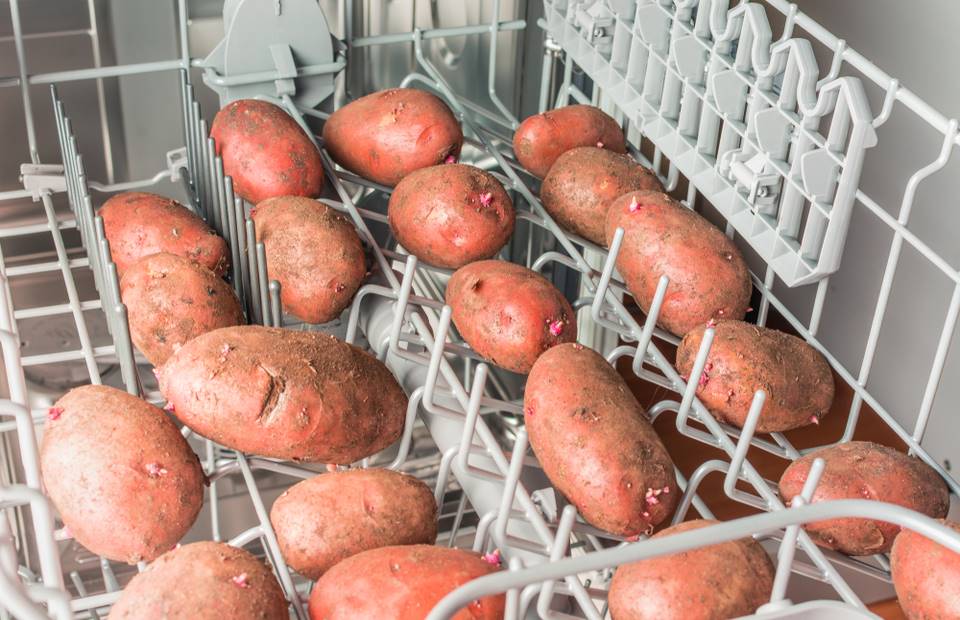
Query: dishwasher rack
x,y
558,565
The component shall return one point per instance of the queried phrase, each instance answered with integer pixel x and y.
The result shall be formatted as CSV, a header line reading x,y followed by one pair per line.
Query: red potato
x,y
865,470
203,581
582,183
708,276
121,475
509,314
387,135
138,224
926,576
266,152
401,583
451,215
171,301
542,138
314,252
594,442
331,517
717,582
292,395
745,358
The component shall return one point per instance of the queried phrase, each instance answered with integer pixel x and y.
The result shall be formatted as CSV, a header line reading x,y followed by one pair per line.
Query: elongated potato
x,y
509,314
542,138
717,582
865,470
582,183
331,517
315,254
292,395
926,576
387,135
171,301
595,444
265,151
401,583
138,224
203,581
745,358
451,215
708,276
121,475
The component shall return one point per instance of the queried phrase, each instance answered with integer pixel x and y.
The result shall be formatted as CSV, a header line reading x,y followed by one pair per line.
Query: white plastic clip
x,y
39,178
177,159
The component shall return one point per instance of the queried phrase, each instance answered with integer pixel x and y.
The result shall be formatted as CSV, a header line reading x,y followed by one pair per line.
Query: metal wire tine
x,y
245,537
413,405
253,297
124,348
241,248
210,169
509,490
263,284
400,308
472,415
650,324
443,475
221,196
433,368
788,546
512,607
276,312
743,444
232,237
185,112
696,373
600,294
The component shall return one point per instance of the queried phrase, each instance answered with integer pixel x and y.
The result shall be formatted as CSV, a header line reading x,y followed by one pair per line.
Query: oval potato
x,y
509,314
139,224
314,252
582,183
265,151
866,470
708,276
595,444
401,583
926,576
171,301
542,138
386,135
292,395
121,475
451,215
745,358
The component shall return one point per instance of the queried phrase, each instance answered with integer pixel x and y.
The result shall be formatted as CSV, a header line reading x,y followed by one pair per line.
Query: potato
x,y
595,444
509,314
708,276
926,576
314,252
865,470
726,580
119,472
331,517
265,151
386,135
542,138
582,183
171,301
138,224
401,583
295,395
451,215
745,358
203,581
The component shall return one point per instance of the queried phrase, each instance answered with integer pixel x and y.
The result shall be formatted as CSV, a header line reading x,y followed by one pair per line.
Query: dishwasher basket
x,y
747,126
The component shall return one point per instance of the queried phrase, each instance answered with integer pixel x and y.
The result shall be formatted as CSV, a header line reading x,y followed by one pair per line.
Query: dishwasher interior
x,y
835,180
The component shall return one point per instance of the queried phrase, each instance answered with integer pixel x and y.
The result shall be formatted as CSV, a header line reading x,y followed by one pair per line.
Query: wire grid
x,y
445,396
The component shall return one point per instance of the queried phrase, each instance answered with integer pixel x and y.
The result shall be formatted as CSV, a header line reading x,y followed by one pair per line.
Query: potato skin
x,y
926,576
595,444
509,314
386,135
203,581
708,276
401,583
450,215
314,252
726,580
866,470
745,358
542,138
139,224
265,151
582,183
171,301
331,517
293,395
120,473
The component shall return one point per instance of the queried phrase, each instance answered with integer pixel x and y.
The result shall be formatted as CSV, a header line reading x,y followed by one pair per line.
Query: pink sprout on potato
x,y
155,469
634,205
450,159
54,413
240,580
486,199
556,327
169,408
492,558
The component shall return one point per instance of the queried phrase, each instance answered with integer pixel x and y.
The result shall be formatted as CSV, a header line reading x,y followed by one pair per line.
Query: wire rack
x,y
463,429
